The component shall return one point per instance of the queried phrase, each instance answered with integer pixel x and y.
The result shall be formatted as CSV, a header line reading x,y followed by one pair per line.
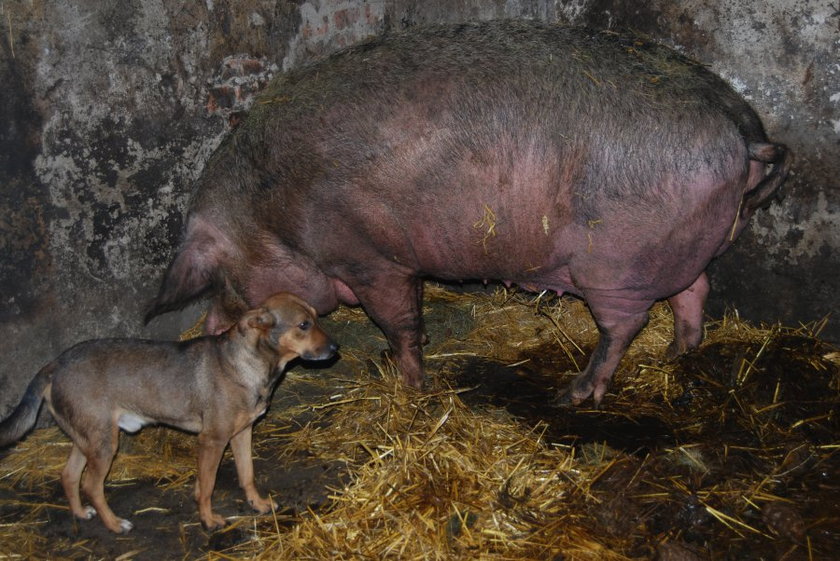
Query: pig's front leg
x,y
394,302
618,320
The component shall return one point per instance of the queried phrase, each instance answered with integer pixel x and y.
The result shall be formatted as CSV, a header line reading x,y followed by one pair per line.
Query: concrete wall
x,y
108,111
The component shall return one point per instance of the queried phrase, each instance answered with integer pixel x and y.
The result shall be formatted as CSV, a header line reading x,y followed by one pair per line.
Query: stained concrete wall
x,y
108,111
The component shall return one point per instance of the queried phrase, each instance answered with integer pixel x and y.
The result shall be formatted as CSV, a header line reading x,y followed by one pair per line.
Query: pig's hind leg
x,y
618,320
687,307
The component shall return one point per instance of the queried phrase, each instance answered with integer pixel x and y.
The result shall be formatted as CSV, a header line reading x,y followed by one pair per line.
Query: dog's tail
x,y
24,416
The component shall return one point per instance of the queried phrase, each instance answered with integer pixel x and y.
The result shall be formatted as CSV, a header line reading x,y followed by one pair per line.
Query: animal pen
x,y
728,452
111,113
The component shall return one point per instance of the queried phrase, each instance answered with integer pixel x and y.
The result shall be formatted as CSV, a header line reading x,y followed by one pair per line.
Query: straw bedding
x,y
729,452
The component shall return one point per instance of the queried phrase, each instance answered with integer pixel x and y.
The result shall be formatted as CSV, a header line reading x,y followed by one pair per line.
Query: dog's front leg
x,y
240,445
210,451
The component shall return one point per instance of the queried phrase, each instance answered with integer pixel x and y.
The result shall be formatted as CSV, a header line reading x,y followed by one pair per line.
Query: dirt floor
x,y
729,452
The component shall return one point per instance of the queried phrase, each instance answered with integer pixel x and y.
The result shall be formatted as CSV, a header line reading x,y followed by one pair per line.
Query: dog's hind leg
x,y
71,476
240,445
99,458
210,451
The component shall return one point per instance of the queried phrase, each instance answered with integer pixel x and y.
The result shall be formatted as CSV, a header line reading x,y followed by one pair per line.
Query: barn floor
x,y
729,452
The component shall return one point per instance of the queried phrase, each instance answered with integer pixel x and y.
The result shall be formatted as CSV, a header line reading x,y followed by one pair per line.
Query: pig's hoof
x,y
576,393
566,400
673,351
413,383
572,398
88,512
125,526
676,350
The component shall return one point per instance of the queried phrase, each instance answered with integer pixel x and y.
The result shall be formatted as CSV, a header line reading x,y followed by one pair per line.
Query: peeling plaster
x,y
330,24
573,10
810,236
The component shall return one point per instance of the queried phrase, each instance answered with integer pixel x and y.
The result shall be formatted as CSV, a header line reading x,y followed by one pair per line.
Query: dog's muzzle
x,y
325,352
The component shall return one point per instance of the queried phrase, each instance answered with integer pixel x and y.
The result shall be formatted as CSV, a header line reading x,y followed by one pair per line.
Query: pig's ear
x,y
189,275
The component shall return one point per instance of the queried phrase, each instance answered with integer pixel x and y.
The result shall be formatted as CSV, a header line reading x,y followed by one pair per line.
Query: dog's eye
x,y
304,325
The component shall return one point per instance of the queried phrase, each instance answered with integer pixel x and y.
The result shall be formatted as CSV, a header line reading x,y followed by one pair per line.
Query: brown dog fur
x,y
216,386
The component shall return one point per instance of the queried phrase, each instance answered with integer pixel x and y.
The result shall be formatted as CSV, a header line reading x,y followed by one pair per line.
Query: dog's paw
x,y
213,522
262,505
118,525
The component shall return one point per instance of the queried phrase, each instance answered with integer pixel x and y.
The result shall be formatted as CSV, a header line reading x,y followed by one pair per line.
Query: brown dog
x,y
215,386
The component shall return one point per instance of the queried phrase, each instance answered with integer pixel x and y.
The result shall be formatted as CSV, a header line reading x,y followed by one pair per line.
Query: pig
x,y
556,158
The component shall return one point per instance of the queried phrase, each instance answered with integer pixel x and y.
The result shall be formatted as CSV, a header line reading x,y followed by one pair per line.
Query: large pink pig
x,y
552,157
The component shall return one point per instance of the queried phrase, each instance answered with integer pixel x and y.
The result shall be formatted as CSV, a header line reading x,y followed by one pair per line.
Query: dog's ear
x,y
260,319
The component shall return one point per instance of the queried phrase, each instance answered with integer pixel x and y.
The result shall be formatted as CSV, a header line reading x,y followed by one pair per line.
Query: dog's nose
x,y
329,350
322,353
